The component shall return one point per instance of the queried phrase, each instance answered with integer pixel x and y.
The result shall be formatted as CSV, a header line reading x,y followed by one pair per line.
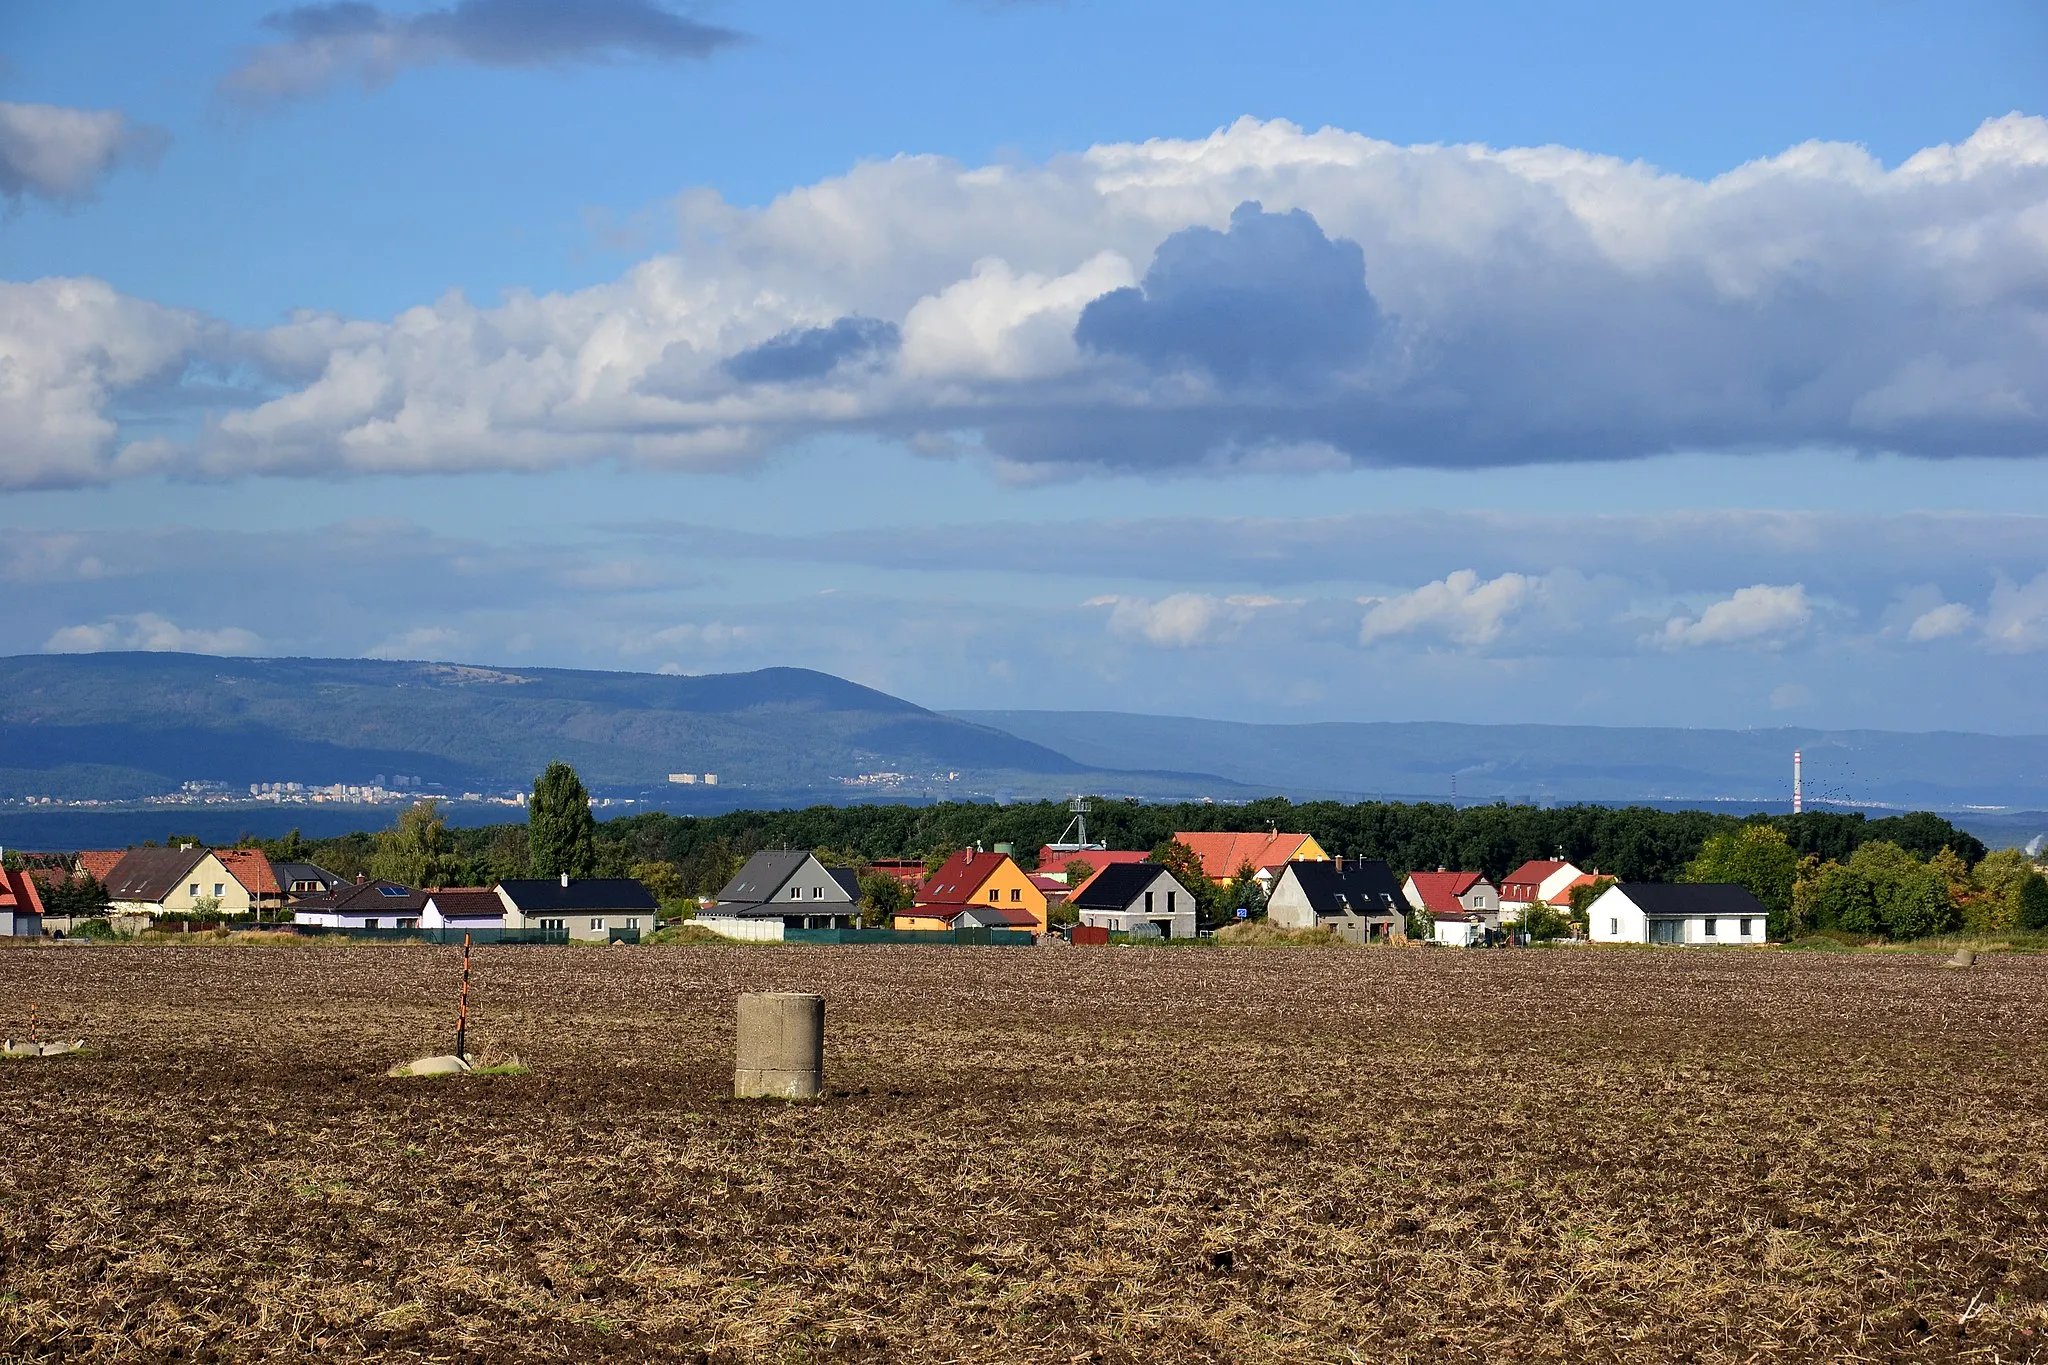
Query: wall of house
x,y
595,926
208,874
1287,906
1456,933
910,919
1014,891
1614,918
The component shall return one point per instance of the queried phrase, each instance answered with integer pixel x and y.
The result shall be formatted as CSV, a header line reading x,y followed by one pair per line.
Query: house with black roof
x,y
1677,912
1358,899
365,903
1136,898
588,909
782,889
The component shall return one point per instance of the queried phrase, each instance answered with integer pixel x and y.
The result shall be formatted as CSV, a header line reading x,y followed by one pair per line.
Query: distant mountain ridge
x,y
125,725
1558,763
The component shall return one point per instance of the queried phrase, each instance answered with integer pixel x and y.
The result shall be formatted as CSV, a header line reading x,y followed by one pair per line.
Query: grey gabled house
x,y
782,890
1136,898
1359,900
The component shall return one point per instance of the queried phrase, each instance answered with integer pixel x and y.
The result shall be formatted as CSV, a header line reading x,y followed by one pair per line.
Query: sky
x,y
1583,363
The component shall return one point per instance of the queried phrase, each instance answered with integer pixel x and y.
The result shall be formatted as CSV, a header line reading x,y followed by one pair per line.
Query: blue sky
x,y
1593,363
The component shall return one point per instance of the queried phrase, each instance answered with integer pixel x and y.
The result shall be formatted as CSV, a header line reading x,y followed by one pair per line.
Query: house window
x,y
1148,902
1614,928
1745,928
796,893
817,893
193,889
633,923
1169,902
552,923
994,896
220,888
596,924
1707,927
1016,894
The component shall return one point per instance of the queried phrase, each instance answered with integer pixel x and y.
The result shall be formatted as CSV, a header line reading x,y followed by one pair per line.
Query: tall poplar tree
x,y
561,833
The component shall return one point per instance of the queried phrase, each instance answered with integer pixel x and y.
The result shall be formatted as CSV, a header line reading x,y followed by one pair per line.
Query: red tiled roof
x,y
1440,890
1223,854
1532,872
18,892
1052,860
251,868
961,879
97,863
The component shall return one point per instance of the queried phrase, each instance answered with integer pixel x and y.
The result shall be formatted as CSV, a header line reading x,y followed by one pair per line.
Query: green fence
x,y
1016,938
479,937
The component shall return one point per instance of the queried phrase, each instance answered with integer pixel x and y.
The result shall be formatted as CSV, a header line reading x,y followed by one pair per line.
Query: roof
x,y
1360,887
372,897
534,895
1051,859
466,902
848,879
1003,914
764,875
1115,888
1050,886
99,863
1440,890
1534,871
19,893
291,874
1222,854
149,874
251,867
960,878
1676,900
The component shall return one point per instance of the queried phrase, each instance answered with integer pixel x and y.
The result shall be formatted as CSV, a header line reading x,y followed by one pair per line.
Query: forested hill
x,y
125,725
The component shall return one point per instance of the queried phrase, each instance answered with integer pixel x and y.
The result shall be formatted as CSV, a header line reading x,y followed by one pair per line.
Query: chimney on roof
x,y
565,879
1340,864
1440,867
360,879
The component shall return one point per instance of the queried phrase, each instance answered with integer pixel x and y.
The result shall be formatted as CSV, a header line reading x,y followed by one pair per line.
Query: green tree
x,y
561,833
1758,857
1244,892
664,881
1908,898
1582,899
1177,858
881,897
2008,894
1543,921
414,852
1078,871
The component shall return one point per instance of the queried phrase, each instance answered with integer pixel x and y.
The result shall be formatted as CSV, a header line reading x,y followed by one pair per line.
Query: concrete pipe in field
x,y
781,1051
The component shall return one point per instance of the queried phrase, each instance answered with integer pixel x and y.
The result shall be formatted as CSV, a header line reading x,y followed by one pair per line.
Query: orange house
x,y
983,887
1269,853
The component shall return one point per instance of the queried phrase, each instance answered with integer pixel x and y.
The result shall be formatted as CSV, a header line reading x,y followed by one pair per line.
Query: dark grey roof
x,y
539,895
776,910
1119,884
372,897
287,873
150,874
767,875
848,879
1676,900
1364,887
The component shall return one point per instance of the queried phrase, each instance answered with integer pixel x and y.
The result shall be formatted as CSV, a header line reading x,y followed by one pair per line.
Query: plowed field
x,y
1030,1155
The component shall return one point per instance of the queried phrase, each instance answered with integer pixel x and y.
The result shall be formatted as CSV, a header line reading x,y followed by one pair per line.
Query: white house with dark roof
x,y
368,903
1141,898
783,889
1702,913
588,909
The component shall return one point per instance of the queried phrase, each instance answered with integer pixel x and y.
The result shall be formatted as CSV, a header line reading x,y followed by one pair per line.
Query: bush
x,y
98,930
1542,921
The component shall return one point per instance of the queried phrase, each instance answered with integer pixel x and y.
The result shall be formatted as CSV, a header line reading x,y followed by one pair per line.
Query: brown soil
x,y
1029,1155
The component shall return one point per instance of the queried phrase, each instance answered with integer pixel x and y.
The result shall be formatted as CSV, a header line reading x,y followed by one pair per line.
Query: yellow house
x,y
174,881
976,890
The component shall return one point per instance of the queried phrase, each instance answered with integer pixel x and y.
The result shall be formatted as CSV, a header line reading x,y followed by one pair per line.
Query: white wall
x,y
1287,907
746,930
1614,918
1456,933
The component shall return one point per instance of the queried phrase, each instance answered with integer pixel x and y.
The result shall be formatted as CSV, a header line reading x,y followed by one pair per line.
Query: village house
x,y
1001,894
1223,854
366,903
21,905
1463,906
174,882
1548,881
1054,862
305,879
1677,912
1358,899
591,909
97,863
462,908
781,890
1136,898
251,867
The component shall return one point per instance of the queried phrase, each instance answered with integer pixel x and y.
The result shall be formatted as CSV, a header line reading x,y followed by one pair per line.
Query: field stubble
x,y
1244,1155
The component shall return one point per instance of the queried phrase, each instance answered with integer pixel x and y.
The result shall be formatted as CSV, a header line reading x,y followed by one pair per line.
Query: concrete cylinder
x,y
781,1051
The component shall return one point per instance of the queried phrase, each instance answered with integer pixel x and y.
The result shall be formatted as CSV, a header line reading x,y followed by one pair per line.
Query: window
x,y
994,895
596,924
553,924
796,893
817,893
1169,902
1148,902
193,889
1707,927
633,923
1614,928
1016,894
220,889
1745,928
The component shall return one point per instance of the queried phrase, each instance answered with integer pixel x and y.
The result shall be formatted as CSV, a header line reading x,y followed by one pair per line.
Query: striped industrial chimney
x,y
1797,803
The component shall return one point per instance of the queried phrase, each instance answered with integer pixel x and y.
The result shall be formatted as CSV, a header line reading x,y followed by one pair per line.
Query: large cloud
x,y
327,43
60,154
1205,304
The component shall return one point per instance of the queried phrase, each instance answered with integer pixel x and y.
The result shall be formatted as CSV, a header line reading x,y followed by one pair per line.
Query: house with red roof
x,y
1549,880
1054,862
98,863
21,905
974,889
1223,853
251,867
1462,906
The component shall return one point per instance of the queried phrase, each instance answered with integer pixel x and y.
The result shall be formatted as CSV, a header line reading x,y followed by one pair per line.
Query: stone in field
x,y
450,1065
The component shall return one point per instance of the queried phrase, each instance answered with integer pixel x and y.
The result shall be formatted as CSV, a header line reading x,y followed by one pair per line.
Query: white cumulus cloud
x,y
1941,623
60,154
1183,620
1759,614
2017,619
1460,607
150,632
